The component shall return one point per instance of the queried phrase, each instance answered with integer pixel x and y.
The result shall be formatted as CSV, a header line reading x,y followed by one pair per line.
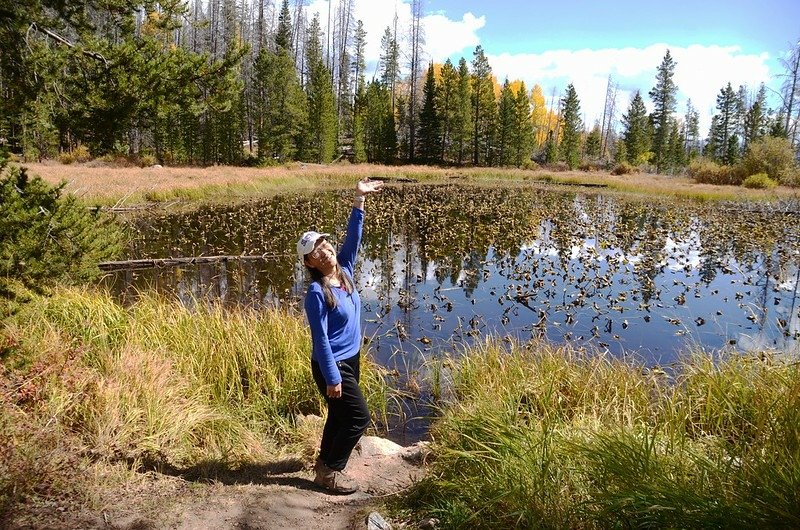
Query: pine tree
x,y
691,129
430,137
675,153
402,126
551,148
620,152
321,134
594,142
380,137
664,100
635,133
726,150
484,109
756,118
446,104
282,106
522,135
710,149
571,135
505,125
390,62
462,122
358,66
283,35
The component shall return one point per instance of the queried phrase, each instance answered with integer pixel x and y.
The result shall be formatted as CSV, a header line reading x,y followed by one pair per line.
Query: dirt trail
x,y
278,497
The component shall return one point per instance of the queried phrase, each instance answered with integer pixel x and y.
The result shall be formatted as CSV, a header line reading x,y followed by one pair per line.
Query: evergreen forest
x,y
256,82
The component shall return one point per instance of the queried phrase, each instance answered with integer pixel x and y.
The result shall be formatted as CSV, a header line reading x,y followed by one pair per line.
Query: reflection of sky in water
x,y
741,308
651,296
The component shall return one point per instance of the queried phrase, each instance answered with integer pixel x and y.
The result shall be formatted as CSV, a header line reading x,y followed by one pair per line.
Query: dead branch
x,y
58,38
135,264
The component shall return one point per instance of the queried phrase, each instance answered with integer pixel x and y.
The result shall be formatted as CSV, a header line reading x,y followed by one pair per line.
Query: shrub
x,y
66,158
46,237
79,154
623,168
558,166
147,160
594,165
759,181
706,171
773,156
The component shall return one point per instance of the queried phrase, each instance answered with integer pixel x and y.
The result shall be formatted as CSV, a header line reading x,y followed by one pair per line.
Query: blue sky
x,y
583,42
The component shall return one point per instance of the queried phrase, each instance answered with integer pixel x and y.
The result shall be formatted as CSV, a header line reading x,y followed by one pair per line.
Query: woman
x,y
333,309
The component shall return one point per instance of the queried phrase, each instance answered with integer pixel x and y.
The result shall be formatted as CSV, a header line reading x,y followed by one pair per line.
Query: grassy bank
x,y
548,438
131,186
87,383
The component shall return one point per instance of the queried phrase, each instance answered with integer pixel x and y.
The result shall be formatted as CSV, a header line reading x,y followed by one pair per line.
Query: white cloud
x,y
700,73
443,36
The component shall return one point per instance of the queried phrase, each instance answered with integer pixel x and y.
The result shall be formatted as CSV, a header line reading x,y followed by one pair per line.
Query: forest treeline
x,y
256,82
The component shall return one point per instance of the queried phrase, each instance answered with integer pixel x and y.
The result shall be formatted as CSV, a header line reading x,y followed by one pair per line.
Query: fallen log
x,y
135,264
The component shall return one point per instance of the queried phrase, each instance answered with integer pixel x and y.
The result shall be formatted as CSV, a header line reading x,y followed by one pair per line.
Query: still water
x,y
441,266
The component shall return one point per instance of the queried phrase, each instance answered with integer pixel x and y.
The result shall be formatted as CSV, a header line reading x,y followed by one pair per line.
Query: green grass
x,y
155,383
545,437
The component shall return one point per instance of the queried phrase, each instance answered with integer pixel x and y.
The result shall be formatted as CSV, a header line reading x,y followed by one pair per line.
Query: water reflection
x,y
446,264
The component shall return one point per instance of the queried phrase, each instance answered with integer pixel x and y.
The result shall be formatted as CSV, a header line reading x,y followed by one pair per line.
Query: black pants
x,y
348,416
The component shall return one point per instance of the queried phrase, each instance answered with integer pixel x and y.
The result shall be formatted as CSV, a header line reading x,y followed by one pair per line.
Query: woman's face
x,y
323,257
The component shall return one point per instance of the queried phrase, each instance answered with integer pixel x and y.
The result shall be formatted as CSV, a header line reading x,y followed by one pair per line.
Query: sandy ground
x,y
281,497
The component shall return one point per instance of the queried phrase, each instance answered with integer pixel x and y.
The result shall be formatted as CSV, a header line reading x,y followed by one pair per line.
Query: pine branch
x,y
68,44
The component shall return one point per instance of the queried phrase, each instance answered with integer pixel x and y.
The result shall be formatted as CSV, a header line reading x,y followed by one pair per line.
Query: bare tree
x,y
791,92
342,39
609,114
416,43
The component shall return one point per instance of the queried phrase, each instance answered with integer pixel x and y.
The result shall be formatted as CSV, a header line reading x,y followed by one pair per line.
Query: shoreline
x,y
131,187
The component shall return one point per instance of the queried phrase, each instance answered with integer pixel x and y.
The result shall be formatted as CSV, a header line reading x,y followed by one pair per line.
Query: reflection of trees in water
x,y
453,230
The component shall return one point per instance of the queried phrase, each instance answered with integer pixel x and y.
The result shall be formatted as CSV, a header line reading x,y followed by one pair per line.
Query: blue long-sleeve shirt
x,y
336,333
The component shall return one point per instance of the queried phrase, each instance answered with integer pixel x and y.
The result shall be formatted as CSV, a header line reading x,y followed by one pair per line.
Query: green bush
x,y
79,154
147,160
759,181
46,237
773,156
623,168
706,171
66,158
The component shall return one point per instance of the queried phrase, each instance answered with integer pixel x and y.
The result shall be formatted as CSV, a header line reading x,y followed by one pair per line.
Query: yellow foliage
x,y
515,85
497,87
437,72
539,114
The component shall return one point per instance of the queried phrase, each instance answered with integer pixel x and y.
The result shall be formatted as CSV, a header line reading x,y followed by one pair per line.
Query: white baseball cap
x,y
307,242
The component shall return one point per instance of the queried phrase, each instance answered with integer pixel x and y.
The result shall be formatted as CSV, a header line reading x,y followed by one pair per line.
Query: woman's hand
x,y
335,391
367,186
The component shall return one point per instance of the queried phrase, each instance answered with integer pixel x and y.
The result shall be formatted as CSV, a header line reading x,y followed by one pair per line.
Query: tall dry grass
x,y
157,384
130,186
547,437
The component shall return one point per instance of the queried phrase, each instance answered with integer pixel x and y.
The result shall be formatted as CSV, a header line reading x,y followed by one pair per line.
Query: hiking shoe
x,y
334,481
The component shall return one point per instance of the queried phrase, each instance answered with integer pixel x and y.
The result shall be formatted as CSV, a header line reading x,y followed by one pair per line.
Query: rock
x,y
376,522
417,453
156,166
377,446
429,524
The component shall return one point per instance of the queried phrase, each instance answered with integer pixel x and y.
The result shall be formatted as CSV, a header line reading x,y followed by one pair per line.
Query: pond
x,y
450,264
